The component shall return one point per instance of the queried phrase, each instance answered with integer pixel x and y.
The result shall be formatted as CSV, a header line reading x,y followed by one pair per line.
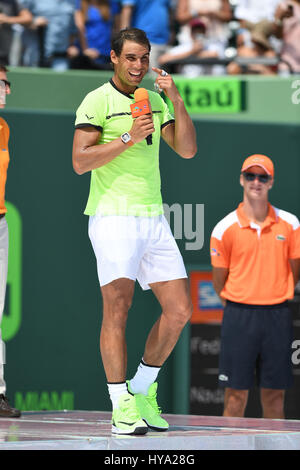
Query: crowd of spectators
x,y
191,37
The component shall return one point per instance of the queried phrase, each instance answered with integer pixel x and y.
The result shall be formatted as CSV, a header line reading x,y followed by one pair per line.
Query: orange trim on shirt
x,y
257,256
4,161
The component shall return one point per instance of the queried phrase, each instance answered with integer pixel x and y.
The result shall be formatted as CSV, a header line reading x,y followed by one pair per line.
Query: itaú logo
x,y
140,108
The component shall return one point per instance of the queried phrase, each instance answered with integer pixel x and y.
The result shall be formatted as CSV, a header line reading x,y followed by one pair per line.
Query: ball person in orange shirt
x,y
6,410
255,256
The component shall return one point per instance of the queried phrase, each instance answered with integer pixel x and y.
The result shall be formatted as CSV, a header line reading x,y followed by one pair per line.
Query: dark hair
x,y
3,68
129,34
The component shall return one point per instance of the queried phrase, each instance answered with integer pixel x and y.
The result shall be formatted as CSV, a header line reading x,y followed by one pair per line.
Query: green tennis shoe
x,y
149,409
126,419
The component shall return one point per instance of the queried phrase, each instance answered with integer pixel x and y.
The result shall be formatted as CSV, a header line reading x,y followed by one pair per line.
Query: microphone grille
x,y
141,94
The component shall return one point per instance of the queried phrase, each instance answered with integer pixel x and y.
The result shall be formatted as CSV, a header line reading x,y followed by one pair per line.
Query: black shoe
x,y
6,411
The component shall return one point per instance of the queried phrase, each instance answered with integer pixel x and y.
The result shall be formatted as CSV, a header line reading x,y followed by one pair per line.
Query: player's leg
x,y
162,269
118,252
117,298
175,301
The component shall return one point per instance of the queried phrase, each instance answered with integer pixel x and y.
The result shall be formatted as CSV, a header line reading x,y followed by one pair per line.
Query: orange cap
x,y
259,160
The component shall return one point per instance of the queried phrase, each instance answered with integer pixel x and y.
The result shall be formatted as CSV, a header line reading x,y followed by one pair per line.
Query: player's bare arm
x,y
173,133
89,155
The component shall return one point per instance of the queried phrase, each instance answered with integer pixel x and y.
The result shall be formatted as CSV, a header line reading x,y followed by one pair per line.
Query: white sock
x,y
144,377
115,391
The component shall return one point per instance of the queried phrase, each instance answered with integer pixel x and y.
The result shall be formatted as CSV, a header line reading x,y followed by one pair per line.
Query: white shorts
x,y
138,248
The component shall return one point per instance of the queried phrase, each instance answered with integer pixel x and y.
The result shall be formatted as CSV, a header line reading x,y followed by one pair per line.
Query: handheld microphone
x,y
141,107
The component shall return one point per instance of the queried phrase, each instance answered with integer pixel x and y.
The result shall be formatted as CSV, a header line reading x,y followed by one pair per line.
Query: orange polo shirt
x,y
4,161
257,256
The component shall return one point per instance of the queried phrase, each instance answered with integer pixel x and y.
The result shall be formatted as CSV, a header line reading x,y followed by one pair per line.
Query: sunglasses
x,y
6,83
252,176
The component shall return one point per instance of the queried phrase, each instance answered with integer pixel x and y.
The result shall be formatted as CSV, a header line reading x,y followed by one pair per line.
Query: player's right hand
x,y
141,128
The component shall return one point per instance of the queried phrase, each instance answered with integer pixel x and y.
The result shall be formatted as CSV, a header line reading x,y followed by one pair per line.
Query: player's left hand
x,y
166,84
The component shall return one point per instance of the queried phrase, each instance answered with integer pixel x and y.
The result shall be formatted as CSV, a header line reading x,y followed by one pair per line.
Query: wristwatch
x,y
126,138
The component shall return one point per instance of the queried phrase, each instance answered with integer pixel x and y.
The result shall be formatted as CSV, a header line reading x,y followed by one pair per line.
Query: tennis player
x,y
128,231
